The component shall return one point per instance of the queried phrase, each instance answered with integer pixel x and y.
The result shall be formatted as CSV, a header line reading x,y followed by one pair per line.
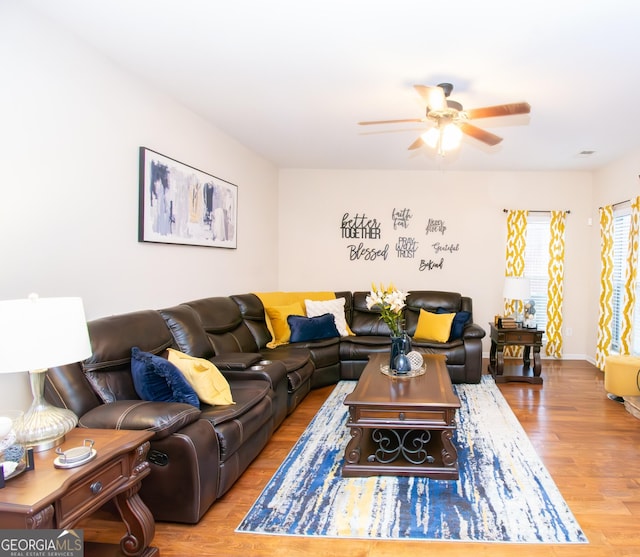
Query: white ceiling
x,y
290,79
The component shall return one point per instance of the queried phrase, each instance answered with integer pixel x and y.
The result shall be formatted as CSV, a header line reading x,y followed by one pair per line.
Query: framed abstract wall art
x,y
180,204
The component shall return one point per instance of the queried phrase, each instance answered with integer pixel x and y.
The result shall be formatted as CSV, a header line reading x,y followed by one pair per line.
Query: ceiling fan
x,y
451,120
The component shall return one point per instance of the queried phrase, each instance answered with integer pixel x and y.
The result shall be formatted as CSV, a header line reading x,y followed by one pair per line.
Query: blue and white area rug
x,y
504,493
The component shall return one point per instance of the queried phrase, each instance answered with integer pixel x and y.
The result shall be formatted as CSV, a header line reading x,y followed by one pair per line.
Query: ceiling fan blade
x,y
479,134
498,110
392,121
416,144
434,96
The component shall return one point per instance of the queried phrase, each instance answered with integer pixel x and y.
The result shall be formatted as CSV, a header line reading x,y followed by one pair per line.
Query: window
x,y
621,220
536,263
621,225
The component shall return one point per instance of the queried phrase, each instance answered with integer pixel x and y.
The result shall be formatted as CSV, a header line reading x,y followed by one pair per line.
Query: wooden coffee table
x,y
402,426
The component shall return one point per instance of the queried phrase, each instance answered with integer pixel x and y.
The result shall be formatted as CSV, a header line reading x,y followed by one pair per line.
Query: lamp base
x,y
46,445
44,426
518,318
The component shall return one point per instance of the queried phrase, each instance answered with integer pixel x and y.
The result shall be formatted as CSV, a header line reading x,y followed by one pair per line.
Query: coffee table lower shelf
x,y
435,458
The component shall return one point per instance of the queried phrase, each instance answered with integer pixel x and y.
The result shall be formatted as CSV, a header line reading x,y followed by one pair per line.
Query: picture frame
x,y
179,204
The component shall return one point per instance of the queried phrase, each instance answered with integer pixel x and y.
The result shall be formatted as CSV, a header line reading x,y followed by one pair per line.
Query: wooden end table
x,y
402,426
54,498
530,339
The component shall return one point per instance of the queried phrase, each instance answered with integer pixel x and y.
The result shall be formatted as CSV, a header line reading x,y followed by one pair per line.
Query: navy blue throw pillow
x,y
459,321
312,328
157,379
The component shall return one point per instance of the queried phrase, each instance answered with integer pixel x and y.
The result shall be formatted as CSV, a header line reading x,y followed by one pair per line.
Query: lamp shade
x,y
39,333
516,288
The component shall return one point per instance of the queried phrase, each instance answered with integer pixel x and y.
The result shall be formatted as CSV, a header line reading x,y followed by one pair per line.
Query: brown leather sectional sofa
x,y
197,454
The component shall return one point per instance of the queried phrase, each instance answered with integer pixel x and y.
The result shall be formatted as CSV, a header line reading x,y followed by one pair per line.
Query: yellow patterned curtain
x,y
555,290
606,286
516,242
514,267
631,272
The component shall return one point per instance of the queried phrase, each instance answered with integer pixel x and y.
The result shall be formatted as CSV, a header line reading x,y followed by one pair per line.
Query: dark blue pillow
x,y
157,379
459,321
312,328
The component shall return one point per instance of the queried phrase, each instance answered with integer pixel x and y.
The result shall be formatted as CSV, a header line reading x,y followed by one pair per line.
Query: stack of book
x,y
507,323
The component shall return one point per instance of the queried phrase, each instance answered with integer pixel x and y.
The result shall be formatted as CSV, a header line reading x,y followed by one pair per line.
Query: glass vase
x,y
400,347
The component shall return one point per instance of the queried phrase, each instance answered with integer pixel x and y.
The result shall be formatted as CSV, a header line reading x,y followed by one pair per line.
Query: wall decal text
x,y
360,226
406,247
359,252
431,264
401,218
435,225
438,247
363,230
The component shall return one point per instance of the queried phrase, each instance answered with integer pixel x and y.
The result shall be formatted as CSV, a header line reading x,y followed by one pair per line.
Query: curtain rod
x,y
618,203
547,211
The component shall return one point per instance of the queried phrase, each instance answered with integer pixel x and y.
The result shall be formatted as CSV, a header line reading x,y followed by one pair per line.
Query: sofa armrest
x,y
236,360
473,331
275,373
162,418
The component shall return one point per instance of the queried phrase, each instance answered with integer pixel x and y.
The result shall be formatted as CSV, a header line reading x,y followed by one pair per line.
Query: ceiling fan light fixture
x,y
443,138
451,137
450,121
431,137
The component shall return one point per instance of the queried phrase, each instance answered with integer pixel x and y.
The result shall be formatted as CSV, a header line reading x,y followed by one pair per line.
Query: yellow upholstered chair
x,y
622,375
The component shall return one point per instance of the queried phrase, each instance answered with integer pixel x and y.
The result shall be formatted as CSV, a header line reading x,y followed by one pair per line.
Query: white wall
x,y
618,181
71,124
313,255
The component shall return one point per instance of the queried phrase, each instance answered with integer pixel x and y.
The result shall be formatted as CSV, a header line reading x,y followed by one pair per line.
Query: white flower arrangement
x,y
390,301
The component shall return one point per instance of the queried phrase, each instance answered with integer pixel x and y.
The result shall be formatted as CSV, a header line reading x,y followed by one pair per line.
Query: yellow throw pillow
x,y
278,317
434,326
205,378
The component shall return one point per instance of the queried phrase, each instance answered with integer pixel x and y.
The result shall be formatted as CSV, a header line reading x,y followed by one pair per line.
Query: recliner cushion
x,y
163,418
157,379
236,425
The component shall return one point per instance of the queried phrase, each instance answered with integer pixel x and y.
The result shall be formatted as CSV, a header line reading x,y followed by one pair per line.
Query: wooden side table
x,y
54,498
530,339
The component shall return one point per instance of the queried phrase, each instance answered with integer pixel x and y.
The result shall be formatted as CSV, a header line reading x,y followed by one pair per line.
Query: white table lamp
x,y
39,333
517,289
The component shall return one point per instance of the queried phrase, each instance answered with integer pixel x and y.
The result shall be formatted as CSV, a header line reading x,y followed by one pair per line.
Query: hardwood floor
x,y
589,444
